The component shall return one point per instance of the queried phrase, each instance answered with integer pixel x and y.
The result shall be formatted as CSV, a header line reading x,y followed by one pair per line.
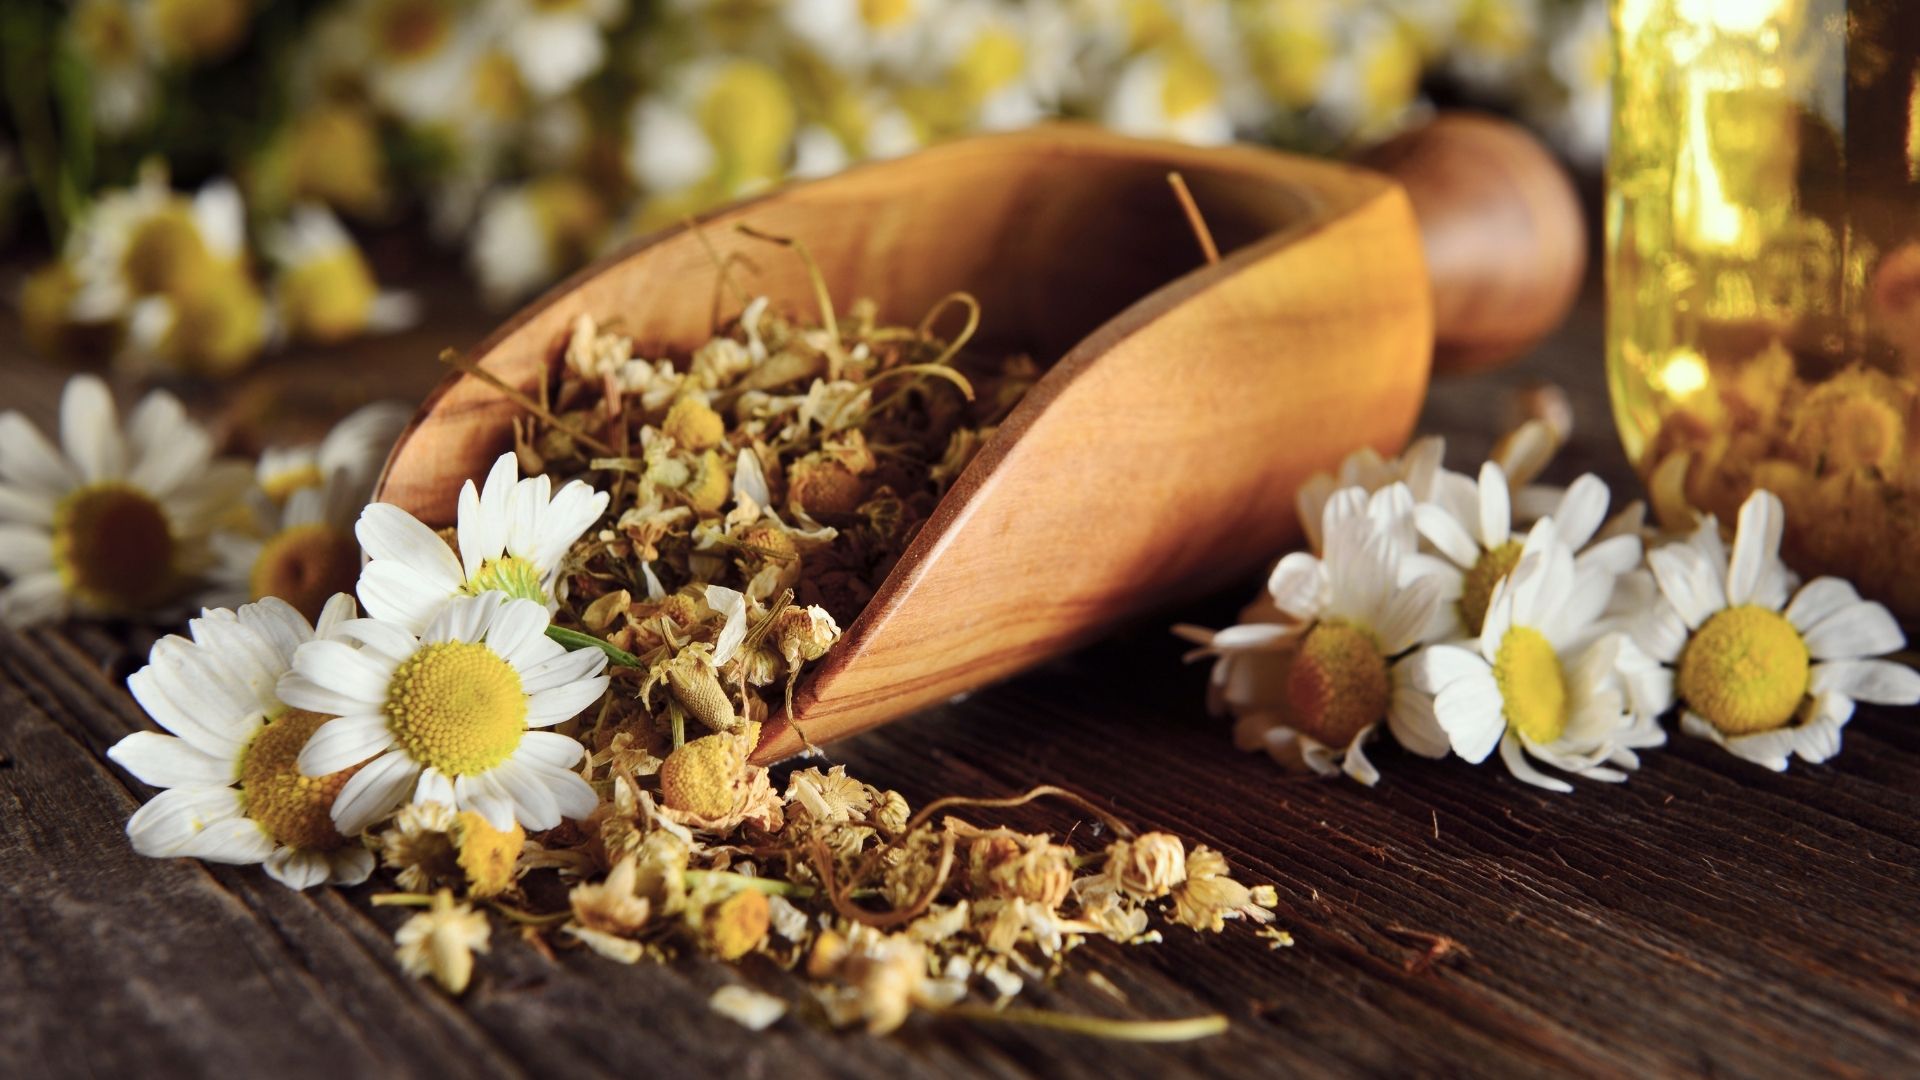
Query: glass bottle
x,y
1763,271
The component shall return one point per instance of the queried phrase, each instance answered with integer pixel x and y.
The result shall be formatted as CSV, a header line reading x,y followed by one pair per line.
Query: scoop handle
x,y
1504,234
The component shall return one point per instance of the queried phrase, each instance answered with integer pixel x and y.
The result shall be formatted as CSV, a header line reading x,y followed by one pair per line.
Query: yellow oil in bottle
x,y
1763,270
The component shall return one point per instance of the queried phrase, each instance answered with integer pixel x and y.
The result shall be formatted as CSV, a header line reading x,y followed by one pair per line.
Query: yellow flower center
x,y
113,547
703,777
487,855
880,14
509,574
1487,573
413,29
293,809
990,64
497,88
199,29
1338,683
1745,670
165,252
737,925
281,485
457,706
328,299
693,424
219,322
335,157
1190,84
305,565
748,113
1533,689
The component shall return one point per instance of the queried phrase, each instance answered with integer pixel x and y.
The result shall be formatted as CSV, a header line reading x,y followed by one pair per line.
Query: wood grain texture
x,y
1158,456
1706,918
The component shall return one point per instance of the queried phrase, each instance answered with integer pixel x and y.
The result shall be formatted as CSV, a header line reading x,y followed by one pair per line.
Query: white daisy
x,y
511,535
113,522
302,548
146,240
451,716
1418,467
1317,685
417,55
1763,675
108,37
1170,93
325,292
1473,532
526,235
556,43
232,793
1540,679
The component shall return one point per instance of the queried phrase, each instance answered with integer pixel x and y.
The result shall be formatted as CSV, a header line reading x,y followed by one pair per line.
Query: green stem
x,y
765,885
1100,1027
575,640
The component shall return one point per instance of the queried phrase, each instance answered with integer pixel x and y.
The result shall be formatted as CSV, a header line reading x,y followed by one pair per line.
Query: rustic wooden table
x,y
1707,917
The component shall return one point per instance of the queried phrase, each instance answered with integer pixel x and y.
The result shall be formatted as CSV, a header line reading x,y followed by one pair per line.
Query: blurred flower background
x,y
199,169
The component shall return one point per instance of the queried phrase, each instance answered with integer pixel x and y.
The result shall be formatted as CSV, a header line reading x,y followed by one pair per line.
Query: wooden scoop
x,y
1159,456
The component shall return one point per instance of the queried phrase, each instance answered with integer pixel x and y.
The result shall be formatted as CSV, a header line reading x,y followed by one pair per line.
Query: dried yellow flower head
x,y
1149,866
708,776
693,424
431,845
710,486
818,485
1030,868
611,907
487,855
441,941
737,925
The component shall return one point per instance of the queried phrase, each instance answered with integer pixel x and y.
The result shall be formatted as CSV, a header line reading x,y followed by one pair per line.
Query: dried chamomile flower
x,y
1760,668
747,1007
1210,896
1148,866
612,906
737,925
881,978
430,844
1011,865
708,784
827,798
441,941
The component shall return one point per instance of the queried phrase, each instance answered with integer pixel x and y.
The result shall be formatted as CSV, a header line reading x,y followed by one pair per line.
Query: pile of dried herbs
x,y
760,490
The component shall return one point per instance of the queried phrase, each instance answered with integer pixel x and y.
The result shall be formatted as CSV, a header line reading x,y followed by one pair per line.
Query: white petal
x,y
562,670
344,742
1409,613
1818,599
472,793
1857,630
1524,771
1818,738
562,703
1447,535
1414,726
1771,749
1756,544
21,506
373,792
1883,682
397,593
237,840
1354,762
171,820
518,630
383,638
181,695
298,869
483,515
90,431
1496,506
572,512
30,462
464,618
1298,585
526,505
25,549
33,600
434,787
1688,582
164,761
359,675
1434,668
533,804
387,532
733,605
1581,510
549,748
351,865
1469,711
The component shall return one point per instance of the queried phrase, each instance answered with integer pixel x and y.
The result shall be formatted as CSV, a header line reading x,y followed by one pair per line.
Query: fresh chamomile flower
x,y
451,716
529,234
982,70
1418,468
416,55
1171,92
726,124
556,43
511,536
1760,668
325,291
148,240
1374,77
302,548
114,522
854,36
1316,685
110,41
1581,61
232,792
1539,679
1472,529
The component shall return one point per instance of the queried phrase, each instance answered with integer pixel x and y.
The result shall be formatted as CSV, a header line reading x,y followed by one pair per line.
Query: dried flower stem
x,y
467,367
1198,223
1100,1027
836,356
